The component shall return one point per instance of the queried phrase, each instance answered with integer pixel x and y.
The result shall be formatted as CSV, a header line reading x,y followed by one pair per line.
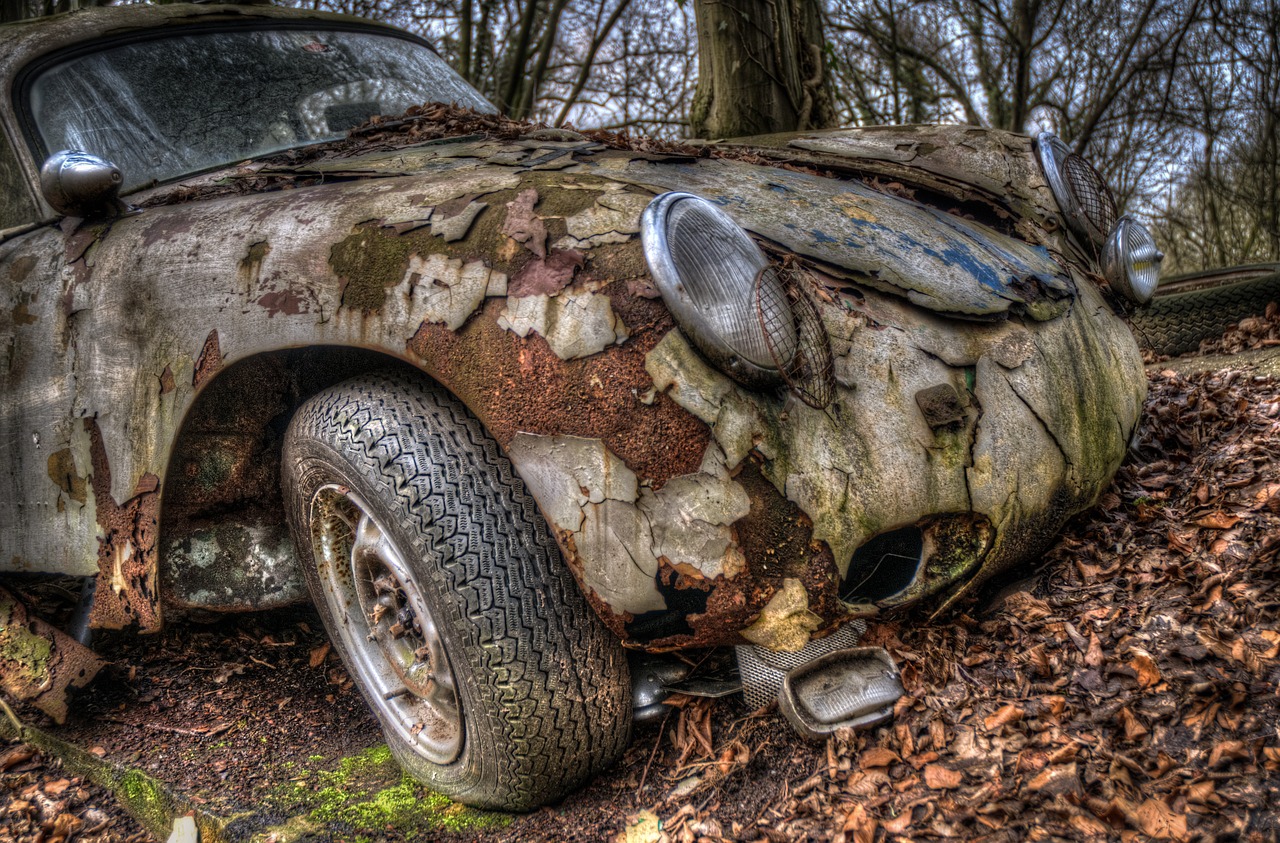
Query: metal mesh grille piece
x,y
1096,202
762,670
805,362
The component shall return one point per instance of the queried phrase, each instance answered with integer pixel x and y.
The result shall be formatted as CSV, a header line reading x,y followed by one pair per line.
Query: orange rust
x,y
69,665
209,361
127,593
520,385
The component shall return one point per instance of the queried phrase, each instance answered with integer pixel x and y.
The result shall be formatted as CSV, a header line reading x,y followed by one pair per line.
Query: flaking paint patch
x,y
621,531
612,219
691,516
442,289
565,473
575,325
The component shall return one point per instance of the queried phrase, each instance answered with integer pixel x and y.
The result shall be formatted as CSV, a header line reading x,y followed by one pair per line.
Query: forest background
x,y
1176,102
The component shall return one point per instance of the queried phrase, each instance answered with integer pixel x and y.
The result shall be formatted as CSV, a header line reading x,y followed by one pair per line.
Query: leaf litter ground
x,y
1125,690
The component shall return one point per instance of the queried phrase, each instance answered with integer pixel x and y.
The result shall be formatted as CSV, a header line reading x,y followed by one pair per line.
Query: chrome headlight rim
x,y
1131,243
688,315
1055,159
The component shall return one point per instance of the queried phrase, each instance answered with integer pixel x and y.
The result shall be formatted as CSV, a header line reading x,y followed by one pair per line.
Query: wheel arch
x,y
223,541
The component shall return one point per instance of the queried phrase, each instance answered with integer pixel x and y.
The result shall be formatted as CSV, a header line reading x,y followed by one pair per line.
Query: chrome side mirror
x,y
81,185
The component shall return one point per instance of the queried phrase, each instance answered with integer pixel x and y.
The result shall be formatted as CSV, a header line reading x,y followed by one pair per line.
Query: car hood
x,y
937,260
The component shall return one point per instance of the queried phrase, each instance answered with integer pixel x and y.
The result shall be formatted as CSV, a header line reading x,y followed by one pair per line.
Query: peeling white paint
x,y
565,473
441,289
574,324
613,218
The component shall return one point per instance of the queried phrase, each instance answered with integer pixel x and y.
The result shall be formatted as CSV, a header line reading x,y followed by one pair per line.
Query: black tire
x,y
1176,323
543,687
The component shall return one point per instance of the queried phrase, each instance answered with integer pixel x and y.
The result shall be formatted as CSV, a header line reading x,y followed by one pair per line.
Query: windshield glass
x,y
163,108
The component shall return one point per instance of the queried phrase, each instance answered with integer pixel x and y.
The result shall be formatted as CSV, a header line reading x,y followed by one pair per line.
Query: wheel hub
x,y
385,624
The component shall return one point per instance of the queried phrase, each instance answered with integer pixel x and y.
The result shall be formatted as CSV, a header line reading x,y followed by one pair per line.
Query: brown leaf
x,y
1133,728
858,826
15,755
878,756
1007,714
939,777
55,788
1156,819
1217,520
1094,657
1144,667
1056,780
319,654
1226,752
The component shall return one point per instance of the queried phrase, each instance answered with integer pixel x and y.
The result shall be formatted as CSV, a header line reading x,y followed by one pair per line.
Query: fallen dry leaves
x,y
1126,691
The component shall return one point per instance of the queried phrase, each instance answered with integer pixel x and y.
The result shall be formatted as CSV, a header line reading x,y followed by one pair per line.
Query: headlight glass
x,y
1087,204
1131,261
717,284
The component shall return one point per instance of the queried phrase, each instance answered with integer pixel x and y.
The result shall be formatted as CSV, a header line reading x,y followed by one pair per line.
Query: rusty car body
x,y
965,386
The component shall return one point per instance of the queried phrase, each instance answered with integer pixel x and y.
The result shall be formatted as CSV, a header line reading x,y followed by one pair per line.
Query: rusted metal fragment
x,y
785,623
935,260
39,664
128,593
209,361
574,324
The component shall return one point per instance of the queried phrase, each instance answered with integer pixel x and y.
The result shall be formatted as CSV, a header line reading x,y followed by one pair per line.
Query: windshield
x,y
163,108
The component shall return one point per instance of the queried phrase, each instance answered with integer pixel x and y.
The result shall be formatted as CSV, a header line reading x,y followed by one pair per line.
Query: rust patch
x,y
62,471
167,383
523,225
515,384
546,276
40,664
128,594
20,314
21,268
209,361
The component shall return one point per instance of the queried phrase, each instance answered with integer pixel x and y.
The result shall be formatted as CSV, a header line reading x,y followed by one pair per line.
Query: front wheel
x,y
432,568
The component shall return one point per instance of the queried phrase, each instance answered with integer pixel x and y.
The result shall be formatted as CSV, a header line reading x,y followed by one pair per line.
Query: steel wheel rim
x,y
385,624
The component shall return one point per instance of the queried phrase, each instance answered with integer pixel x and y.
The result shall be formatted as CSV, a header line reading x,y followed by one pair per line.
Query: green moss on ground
x,y
368,792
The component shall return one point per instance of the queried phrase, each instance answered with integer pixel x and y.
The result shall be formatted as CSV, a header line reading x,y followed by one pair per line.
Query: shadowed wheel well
x,y
224,543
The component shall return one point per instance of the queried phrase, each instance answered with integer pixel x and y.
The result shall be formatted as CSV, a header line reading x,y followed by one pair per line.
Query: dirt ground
x,y
1125,688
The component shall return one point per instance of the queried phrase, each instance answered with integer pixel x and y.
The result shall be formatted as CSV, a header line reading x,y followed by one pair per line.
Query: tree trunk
x,y
761,68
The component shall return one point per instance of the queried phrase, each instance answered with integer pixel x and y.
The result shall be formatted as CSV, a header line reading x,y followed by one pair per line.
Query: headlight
x,y
1131,261
1087,203
722,291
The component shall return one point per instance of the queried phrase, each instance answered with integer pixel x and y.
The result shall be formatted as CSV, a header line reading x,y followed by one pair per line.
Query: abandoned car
x,y
511,403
